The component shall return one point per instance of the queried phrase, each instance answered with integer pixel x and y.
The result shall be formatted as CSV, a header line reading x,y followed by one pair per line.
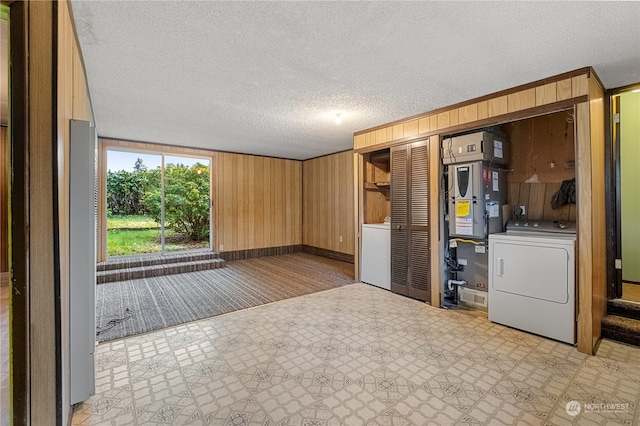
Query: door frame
x,y
613,193
102,212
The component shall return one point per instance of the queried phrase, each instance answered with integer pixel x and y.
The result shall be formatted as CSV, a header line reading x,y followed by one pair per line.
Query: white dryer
x,y
532,278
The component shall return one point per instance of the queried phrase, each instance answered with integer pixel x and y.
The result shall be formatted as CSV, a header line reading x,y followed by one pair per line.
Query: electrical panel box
x,y
493,148
476,195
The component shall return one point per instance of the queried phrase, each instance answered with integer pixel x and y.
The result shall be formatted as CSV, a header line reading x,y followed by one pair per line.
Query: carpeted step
x,y
125,274
623,308
621,329
140,261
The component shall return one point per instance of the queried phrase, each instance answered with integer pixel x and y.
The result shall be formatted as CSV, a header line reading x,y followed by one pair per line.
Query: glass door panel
x,y
187,203
134,197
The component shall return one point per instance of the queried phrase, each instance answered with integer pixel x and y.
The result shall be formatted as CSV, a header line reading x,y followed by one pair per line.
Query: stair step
x,y
623,308
125,274
621,329
140,261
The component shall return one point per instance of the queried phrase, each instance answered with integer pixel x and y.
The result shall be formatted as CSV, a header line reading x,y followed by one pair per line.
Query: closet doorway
x,y
626,109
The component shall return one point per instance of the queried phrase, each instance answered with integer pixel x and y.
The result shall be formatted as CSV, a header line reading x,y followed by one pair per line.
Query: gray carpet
x,y
137,306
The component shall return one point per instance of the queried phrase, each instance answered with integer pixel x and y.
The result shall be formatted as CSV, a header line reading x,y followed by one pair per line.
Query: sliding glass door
x,y
187,203
157,203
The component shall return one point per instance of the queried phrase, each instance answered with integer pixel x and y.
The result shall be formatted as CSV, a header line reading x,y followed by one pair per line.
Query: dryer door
x,y
526,269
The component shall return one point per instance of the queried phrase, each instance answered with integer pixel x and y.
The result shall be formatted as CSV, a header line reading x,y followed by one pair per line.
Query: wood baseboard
x,y
261,252
335,255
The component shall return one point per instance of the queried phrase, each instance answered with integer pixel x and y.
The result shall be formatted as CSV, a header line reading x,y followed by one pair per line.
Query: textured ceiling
x,y
268,77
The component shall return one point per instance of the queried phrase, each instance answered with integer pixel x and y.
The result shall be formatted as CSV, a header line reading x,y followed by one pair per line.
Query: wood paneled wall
x,y
4,200
41,38
542,149
328,202
73,102
592,273
257,201
536,197
526,100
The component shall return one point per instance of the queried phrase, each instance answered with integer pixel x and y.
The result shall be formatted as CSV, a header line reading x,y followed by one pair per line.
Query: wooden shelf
x,y
377,185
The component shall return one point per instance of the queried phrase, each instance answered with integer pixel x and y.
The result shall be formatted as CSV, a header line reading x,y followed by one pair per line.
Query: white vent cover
x,y
473,298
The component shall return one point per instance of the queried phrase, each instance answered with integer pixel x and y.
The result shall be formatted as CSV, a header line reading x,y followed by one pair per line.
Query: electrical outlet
x,y
221,247
340,238
523,210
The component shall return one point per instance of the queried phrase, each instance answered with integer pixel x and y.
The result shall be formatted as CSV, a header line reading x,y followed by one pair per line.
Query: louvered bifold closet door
x,y
399,220
419,284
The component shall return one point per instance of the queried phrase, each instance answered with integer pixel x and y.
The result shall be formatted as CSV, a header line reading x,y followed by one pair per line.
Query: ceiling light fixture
x,y
338,118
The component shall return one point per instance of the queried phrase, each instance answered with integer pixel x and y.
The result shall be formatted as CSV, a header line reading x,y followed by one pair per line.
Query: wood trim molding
x,y
330,254
523,87
486,122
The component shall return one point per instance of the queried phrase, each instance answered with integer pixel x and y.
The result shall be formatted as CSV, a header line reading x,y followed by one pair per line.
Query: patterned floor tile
x,y
390,417
146,368
618,352
284,399
322,381
263,376
242,413
454,391
330,348
314,415
512,398
298,361
201,373
353,405
421,408
357,355
386,386
111,404
434,355
214,396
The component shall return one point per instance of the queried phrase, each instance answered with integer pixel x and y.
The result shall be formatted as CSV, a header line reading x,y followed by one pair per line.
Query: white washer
x,y
532,282
376,255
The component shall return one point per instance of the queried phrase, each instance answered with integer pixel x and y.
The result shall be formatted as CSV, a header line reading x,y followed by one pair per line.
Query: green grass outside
x,y
131,222
124,239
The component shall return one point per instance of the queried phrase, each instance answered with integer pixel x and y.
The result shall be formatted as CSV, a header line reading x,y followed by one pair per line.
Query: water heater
x,y
477,192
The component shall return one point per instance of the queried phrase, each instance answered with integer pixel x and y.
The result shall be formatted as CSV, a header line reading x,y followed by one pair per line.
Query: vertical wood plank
x,y
598,208
410,128
521,100
398,131
435,172
453,117
468,114
523,195
433,122
513,196
389,133
546,94
585,230
423,125
358,141
443,120
536,201
579,86
483,110
497,106
563,89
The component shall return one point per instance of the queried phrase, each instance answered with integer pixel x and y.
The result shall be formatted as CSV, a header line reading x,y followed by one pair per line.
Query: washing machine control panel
x,y
552,226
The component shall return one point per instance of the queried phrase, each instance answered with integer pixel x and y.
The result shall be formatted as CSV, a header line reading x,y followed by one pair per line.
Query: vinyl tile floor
x,y
357,355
